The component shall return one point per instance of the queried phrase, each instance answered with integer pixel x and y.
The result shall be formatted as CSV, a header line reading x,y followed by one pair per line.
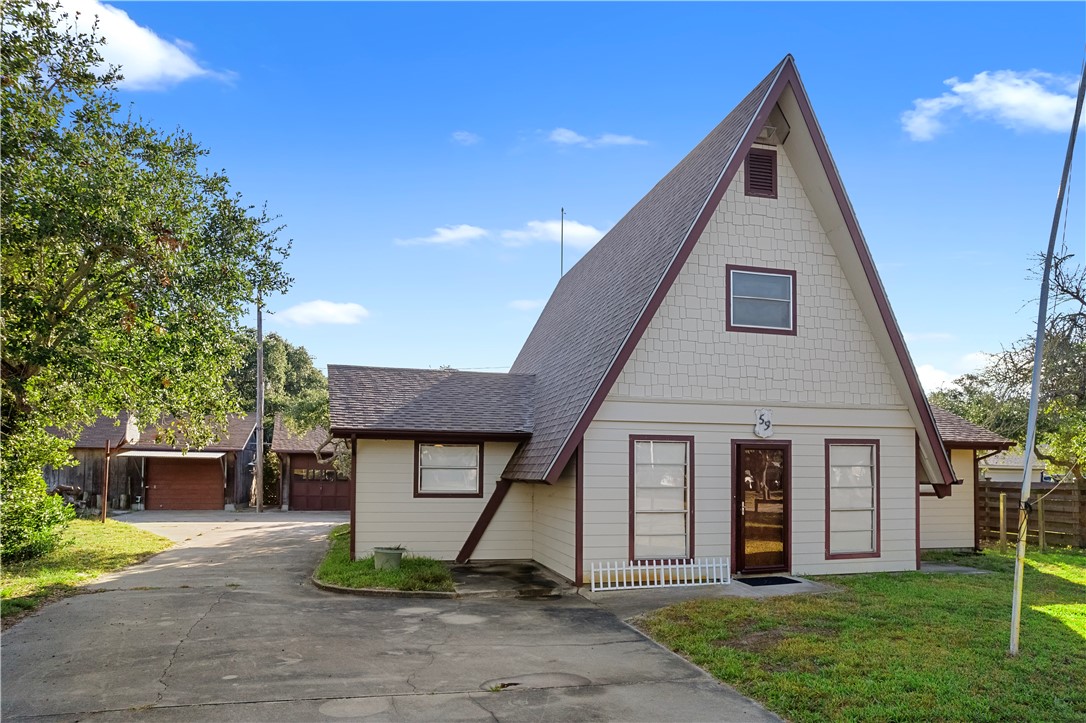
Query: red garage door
x,y
184,484
314,487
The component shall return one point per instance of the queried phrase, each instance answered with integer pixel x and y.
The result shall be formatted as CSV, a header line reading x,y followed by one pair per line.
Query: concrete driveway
x,y
226,626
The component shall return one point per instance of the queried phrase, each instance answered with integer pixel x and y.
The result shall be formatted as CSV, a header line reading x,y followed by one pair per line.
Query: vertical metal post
x,y
258,467
1002,520
1038,345
105,485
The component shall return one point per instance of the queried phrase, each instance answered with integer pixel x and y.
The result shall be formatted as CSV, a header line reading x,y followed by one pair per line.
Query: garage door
x,y
313,488
184,484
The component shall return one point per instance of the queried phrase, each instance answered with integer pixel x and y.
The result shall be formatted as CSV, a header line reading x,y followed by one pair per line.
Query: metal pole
x,y
1038,344
562,245
105,485
258,468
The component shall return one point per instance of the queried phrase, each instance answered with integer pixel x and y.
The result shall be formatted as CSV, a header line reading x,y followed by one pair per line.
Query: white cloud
x,y
447,236
466,138
148,62
567,137
527,304
578,235
324,312
932,378
1022,101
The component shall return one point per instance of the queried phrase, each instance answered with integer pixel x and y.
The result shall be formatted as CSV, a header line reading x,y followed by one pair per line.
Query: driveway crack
x,y
184,637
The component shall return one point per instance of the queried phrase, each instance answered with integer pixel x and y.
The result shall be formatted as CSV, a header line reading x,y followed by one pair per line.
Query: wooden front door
x,y
761,501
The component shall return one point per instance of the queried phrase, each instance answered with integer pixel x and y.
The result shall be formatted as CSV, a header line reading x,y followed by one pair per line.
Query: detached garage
x,y
215,477
308,479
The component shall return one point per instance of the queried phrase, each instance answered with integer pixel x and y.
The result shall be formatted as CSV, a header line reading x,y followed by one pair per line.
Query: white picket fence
x,y
661,573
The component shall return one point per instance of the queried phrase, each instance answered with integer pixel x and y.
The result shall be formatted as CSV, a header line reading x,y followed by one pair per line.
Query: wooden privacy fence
x,y
1064,515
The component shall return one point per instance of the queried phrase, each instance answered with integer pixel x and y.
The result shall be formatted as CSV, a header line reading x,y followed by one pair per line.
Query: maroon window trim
x,y
417,492
689,440
729,326
874,443
761,189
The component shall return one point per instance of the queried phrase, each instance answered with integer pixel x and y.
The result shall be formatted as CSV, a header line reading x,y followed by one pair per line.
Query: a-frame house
x,y
721,375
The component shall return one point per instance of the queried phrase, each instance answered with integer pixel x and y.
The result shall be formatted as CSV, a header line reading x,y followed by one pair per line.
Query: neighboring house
x,y
721,375
308,481
165,477
1010,466
952,522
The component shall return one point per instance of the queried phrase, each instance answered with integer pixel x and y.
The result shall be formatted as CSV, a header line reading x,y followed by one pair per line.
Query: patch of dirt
x,y
758,641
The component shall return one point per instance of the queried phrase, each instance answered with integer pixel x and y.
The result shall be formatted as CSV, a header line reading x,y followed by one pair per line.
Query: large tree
x,y
126,266
998,396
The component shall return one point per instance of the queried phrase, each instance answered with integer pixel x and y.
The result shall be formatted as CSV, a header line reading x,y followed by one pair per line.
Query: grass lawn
x,y
90,549
902,646
415,573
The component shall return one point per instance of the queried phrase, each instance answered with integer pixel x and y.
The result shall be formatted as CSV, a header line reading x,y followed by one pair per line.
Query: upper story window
x,y
448,470
762,300
760,178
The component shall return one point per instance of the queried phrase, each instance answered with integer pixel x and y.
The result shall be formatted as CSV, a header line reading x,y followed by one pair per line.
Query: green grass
x,y
89,550
902,646
415,573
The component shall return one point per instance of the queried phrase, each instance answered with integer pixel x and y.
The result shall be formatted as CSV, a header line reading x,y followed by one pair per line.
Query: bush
x,y
31,519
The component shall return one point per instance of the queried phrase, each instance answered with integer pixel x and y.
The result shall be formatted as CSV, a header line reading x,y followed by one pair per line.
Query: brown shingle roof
x,y
369,400
96,435
958,432
234,437
597,303
287,442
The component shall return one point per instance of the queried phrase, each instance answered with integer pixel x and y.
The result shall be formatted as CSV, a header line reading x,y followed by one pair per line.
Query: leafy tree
x,y
998,395
126,267
293,386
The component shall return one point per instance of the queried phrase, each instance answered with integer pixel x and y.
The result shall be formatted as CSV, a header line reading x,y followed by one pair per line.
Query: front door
x,y
762,480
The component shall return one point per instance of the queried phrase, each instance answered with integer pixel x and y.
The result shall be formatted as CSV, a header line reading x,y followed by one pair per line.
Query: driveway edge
x,y
380,591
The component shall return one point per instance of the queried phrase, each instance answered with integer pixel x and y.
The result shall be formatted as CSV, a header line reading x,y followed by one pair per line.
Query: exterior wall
x,y
714,426
387,513
832,360
554,530
948,522
125,476
689,376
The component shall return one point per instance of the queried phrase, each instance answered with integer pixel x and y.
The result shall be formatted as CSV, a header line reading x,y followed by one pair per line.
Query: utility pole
x,y
1038,344
562,245
258,468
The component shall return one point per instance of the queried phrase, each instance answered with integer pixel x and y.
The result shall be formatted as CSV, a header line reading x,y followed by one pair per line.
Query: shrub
x,y
31,519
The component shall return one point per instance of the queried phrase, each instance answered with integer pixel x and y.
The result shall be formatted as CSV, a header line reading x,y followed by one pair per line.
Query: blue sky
x,y
419,153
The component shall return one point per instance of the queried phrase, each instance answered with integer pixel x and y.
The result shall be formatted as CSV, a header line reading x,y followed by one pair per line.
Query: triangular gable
x,y
601,308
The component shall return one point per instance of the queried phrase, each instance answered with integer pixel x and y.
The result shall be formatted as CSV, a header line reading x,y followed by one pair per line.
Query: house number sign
x,y
763,422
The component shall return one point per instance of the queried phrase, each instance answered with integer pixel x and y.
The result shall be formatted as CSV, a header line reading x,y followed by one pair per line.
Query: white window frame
x,y
688,496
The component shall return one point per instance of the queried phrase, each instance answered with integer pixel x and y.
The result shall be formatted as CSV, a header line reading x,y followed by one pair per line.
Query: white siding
x,y
948,522
554,523
387,513
689,376
606,495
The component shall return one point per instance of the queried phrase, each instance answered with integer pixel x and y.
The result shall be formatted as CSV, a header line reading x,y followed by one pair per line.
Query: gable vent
x,y
761,175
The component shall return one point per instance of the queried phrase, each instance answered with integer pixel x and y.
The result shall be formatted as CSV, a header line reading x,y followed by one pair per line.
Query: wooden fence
x,y
1064,512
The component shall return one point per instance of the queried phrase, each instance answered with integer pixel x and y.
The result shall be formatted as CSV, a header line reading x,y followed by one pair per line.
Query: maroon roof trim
x,y
739,154
787,76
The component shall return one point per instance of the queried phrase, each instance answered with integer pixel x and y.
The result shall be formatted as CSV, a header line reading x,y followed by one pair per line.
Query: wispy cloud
x,y
527,304
1029,100
578,235
447,236
932,377
567,137
466,138
928,336
147,61
324,312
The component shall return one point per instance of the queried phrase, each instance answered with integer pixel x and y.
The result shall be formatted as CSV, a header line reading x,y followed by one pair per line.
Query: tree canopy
x,y
293,386
997,396
126,266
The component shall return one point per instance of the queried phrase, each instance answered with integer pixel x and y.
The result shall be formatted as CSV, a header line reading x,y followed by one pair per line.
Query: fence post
x,y
1002,520
1041,524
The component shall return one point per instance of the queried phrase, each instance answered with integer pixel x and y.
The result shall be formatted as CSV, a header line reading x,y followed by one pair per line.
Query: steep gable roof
x,y
286,441
391,402
231,438
601,307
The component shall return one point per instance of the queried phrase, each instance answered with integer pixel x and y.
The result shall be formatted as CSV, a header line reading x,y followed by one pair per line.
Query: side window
x,y
448,470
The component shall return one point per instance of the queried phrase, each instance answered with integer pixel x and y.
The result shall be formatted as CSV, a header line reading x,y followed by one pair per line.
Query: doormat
x,y
772,580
